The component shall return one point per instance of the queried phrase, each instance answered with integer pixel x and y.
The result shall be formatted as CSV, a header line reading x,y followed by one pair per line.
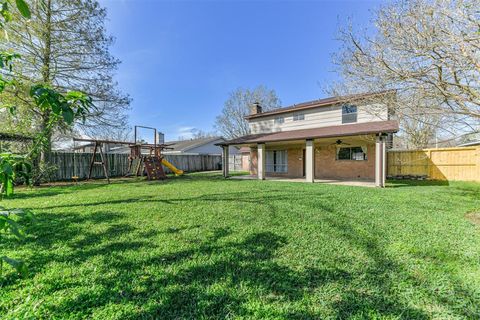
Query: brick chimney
x,y
255,108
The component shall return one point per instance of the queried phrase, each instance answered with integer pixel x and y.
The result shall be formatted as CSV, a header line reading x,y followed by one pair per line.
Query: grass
x,y
200,247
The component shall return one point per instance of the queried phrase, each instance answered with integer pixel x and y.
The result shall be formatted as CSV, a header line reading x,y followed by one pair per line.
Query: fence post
x,y
477,155
429,164
68,164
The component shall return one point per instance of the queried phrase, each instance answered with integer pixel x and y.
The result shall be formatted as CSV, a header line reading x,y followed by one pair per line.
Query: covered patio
x,y
340,182
343,154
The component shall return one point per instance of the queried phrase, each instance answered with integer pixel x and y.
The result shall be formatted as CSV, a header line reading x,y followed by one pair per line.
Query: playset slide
x,y
167,164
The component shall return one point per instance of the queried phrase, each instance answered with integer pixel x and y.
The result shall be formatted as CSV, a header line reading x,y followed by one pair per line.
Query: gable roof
x,y
322,132
319,103
185,145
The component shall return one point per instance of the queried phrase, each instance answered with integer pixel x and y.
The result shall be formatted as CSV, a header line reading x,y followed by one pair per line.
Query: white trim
x,y
380,162
225,163
261,161
309,161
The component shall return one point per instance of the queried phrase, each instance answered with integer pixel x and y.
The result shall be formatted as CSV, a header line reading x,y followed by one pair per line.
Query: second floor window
x,y
349,113
298,116
279,120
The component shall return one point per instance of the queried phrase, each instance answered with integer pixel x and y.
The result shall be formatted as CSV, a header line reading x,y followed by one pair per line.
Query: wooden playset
x,y
144,158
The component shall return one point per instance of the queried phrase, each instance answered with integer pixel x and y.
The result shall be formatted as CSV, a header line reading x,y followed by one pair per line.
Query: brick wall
x,y
245,162
294,159
326,165
253,161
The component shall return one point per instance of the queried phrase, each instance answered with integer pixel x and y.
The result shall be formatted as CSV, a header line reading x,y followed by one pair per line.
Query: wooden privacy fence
x,y
437,164
69,164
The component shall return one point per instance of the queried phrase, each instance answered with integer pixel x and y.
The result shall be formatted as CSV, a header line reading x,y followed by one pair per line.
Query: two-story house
x,y
333,138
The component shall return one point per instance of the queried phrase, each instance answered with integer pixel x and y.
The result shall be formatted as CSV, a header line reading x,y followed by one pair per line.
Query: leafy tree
x,y
231,122
428,52
65,46
60,108
12,166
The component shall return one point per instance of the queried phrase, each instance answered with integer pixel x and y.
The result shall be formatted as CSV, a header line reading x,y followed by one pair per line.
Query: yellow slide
x,y
170,166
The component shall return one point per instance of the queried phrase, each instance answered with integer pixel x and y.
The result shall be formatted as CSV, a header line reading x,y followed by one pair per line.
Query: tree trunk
x,y
46,79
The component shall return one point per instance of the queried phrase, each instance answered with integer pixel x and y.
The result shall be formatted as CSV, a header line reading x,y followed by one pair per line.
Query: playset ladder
x,y
103,162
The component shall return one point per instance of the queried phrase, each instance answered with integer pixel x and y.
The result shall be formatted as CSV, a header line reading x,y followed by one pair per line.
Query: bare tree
x,y
116,134
200,134
429,52
231,122
196,134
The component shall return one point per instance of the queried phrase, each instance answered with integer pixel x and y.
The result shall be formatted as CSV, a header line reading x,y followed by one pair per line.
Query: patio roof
x,y
375,127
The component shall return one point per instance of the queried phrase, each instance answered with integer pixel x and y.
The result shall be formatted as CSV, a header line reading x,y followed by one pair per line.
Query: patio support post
x,y
309,161
261,161
380,161
384,162
225,161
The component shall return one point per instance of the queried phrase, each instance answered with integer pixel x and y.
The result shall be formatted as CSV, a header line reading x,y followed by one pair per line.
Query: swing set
x,y
144,156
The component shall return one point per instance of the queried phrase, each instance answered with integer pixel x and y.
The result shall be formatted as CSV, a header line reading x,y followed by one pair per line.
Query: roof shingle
x,y
322,132
184,145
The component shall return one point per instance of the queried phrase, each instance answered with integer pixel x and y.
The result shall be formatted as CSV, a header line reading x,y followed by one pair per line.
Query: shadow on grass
x,y
416,183
187,281
385,274
185,287
50,191
461,188
223,274
267,199
219,277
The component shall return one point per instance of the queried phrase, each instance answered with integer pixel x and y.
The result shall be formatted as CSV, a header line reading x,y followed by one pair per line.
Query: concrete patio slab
x,y
357,183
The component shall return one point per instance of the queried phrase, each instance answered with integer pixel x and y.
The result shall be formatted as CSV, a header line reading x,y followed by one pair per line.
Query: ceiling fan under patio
x,y
340,142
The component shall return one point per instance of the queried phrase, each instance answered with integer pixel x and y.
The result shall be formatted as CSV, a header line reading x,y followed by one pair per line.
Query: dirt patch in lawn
x,y
473,217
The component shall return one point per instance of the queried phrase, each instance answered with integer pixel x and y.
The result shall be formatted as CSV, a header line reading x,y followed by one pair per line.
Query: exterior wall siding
x,y
315,118
209,148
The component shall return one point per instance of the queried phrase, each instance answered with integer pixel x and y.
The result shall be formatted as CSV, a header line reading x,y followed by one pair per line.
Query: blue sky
x,y
180,59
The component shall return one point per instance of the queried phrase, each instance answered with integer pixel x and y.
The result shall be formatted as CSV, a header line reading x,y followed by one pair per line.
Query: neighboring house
x,y
198,146
108,148
205,146
470,144
321,139
471,140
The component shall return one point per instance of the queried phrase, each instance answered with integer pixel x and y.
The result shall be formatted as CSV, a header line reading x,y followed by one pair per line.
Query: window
x,y
353,153
349,113
279,120
276,161
298,116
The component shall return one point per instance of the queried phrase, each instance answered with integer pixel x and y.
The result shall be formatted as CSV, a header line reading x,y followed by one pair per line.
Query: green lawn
x,y
201,247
